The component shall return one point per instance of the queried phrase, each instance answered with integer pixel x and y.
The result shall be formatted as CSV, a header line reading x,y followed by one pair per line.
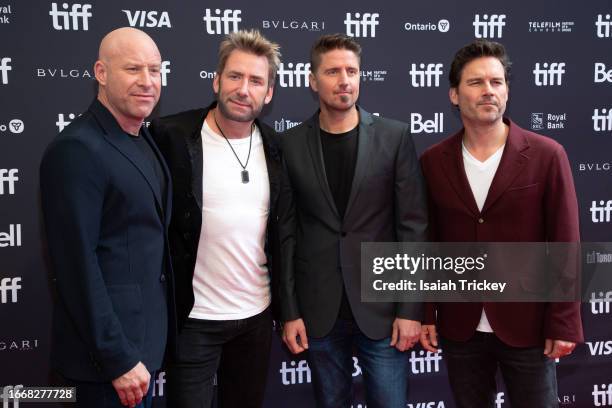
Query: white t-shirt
x,y
231,280
480,176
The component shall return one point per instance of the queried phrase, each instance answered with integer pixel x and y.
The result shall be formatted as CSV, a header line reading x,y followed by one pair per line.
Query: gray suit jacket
x,y
321,252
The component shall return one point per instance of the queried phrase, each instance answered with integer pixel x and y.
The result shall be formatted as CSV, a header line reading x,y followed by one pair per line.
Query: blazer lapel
x,y
194,148
316,153
272,156
366,131
454,170
512,163
168,198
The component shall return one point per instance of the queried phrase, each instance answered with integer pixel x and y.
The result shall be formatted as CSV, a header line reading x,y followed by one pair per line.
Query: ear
x,y
100,72
454,97
312,79
269,94
216,83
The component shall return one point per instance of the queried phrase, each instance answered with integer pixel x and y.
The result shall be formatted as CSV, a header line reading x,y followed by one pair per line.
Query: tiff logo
x,y
426,75
602,397
9,285
295,375
8,177
601,121
600,304
362,25
601,73
213,23
9,391
603,26
12,238
164,71
427,362
489,27
158,387
69,20
293,77
4,69
549,74
601,212
62,123
151,19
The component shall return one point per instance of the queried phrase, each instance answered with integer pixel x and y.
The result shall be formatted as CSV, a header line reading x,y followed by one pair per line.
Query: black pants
x,y
238,349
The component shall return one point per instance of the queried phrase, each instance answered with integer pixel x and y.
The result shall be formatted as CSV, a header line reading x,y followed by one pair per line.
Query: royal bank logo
x,y
600,211
148,18
297,25
14,126
442,26
64,120
602,74
8,179
5,12
361,24
63,73
603,26
164,70
284,124
541,121
419,125
600,302
5,67
551,26
12,237
546,74
489,26
602,395
425,361
375,75
222,21
425,74
293,75
602,120
71,16
537,120
9,287
18,344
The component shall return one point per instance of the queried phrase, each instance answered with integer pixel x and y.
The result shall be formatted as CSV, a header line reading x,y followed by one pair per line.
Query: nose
x,y
243,89
145,78
343,77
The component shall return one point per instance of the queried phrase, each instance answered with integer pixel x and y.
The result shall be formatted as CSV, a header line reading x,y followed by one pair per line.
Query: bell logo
x,y
164,71
4,69
602,122
435,125
8,177
295,75
69,20
426,76
489,27
602,74
9,285
603,26
549,74
219,24
361,25
12,238
149,19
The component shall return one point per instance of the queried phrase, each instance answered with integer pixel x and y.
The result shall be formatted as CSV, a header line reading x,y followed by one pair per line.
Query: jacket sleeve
x,y
410,209
72,181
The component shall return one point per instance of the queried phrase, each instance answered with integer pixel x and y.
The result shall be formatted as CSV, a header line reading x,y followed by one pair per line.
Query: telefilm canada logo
x,y
14,126
373,75
442,26
541,121
548,26
148,18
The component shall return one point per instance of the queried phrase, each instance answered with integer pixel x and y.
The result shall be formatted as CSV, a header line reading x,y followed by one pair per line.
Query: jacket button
x,y
481,220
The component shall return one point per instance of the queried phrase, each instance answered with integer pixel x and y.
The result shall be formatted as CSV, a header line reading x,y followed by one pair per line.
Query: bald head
x,y
128,74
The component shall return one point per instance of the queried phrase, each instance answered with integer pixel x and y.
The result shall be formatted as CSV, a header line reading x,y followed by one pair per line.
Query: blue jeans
x,y
529,375
385,369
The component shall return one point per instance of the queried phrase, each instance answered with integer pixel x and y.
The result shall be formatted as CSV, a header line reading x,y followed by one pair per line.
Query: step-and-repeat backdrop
x,y
561,86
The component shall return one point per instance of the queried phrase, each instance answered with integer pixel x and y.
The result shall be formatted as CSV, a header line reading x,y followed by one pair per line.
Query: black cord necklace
x,y
244,174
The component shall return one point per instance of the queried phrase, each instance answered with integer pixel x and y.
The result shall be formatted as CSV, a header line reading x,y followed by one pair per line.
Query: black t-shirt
x,y
340,156
152,158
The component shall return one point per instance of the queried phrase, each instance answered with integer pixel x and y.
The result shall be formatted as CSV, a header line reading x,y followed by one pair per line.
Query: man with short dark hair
x,y
496,182
105,194
349,177
226,169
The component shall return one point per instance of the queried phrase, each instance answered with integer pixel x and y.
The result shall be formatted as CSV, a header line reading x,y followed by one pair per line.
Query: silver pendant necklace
x,y
244,174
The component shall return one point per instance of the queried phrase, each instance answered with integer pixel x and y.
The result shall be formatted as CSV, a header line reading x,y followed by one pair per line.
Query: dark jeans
x,y
529,375
385,370
103,395
238,349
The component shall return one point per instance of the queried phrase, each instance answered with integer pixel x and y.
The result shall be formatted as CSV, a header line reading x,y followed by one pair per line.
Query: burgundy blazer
x,y
531,199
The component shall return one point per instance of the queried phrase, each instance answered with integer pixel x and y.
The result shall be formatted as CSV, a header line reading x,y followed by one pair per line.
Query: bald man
x,y
105,193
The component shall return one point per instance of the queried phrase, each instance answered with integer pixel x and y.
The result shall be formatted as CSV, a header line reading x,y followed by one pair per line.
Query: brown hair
x,y
330,42
477,49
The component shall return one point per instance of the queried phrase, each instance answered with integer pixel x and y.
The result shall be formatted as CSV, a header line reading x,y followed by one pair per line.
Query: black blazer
x,y
320,251
179,139
107,238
